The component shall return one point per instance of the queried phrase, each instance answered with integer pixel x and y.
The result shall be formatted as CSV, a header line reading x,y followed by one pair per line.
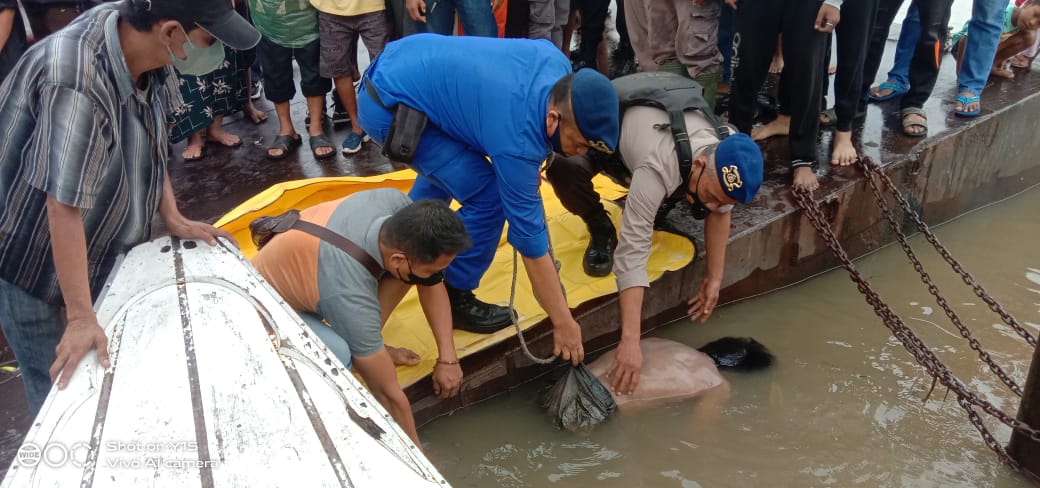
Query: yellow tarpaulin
x,y
407,326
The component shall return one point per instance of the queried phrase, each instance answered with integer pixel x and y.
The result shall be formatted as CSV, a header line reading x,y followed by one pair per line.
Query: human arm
x,y
416,9
549,292
829,16
447,378
7,20
182,227
82,332
380,377
716,237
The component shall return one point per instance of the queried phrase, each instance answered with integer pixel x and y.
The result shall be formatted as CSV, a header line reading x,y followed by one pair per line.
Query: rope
x,y
512,298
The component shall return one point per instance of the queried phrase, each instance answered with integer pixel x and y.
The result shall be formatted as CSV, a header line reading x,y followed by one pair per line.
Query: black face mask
x,y
557,144
412,279
700,211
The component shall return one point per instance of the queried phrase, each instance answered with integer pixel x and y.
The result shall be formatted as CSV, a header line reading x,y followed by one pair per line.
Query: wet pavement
x,y
208,188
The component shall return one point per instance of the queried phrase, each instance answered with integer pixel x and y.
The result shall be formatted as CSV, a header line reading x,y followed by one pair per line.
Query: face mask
x,y
700,211
198,60
557,144
412,279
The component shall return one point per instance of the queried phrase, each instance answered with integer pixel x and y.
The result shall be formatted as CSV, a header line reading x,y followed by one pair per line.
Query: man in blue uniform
x,y
510,101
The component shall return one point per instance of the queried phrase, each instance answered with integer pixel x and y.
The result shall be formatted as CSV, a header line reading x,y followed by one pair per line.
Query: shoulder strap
x,y
344,244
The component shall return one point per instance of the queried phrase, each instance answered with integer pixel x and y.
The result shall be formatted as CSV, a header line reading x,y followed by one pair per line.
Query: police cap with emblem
x,y
738,163
595,105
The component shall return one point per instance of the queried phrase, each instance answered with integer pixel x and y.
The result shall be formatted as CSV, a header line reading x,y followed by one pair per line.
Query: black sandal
x,y
320,141
286,143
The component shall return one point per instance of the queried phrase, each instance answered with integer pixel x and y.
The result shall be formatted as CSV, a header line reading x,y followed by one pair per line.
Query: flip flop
x,y
320,141
965,101
286,143
907,124
897,91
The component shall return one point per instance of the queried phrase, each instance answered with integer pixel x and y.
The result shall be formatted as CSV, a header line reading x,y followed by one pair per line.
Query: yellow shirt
x,y
349,7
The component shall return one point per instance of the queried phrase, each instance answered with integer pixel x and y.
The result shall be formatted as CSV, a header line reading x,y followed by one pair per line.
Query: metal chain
x,y
872,168
921,353
879,199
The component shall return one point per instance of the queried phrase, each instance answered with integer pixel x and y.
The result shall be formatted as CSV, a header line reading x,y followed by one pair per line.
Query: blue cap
x,y
595,105
738,163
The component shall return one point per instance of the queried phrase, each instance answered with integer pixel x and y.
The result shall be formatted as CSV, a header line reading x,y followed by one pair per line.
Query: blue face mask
x,y
198,60
557,145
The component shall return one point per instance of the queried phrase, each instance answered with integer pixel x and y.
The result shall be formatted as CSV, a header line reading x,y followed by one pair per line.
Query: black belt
x,y
370,88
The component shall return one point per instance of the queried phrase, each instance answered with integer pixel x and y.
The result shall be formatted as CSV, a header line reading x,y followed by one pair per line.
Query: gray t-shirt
x,y
348,293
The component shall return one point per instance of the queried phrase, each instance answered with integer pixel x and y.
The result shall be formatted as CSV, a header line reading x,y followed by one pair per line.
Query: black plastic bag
x,y
578,401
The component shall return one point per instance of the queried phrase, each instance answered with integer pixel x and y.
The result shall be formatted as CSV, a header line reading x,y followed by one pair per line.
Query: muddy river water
x,y
843,405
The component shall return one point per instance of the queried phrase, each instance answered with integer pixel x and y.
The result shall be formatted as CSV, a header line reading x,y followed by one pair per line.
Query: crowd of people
x,y
88,114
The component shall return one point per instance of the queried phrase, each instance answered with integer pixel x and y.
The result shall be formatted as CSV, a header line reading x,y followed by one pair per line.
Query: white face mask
x,y
198,60
724,209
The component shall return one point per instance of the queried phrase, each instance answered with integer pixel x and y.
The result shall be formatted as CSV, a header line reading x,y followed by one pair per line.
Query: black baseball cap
x,y
216,17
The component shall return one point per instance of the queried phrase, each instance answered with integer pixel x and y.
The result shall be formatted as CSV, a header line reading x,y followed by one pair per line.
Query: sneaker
x,y
257,90
352,143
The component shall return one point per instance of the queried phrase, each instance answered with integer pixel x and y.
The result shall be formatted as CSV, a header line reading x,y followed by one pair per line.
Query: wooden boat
x,y
213,382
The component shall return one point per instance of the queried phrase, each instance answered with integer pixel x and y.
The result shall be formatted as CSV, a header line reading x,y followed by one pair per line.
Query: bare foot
x,y
223,137
402,356
832,69
193,151
915,125
843,153
257,116
971,107
805,179
780,126
777,65
1001,71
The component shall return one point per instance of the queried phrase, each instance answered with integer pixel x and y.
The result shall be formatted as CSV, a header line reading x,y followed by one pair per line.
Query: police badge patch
x,y
731,177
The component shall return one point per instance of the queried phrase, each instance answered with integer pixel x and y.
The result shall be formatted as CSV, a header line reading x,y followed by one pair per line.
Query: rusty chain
x,y
871,168
924,356
879,199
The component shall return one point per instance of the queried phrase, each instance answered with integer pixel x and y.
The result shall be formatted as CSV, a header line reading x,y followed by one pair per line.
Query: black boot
x,y
599,256
473,315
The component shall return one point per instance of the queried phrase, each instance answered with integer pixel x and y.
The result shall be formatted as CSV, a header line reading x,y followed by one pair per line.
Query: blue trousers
x,y
449,169
335,343
984,29
475,16
33,328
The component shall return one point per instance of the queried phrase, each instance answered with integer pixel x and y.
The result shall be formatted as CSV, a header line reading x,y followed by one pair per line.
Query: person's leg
x,y
194,147
725,44
334,342
315,87
758,24
924,67
980,49
476,18
637,18
886,14
520,22
1018,42
440,17
593,17
217,134
909,33
853,34
804,49
33,329
662,29
541,19
562,9
276,62
571,178
696,43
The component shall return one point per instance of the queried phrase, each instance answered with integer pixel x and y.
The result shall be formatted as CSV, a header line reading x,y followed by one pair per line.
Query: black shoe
x,y
340,118
599,256
473,315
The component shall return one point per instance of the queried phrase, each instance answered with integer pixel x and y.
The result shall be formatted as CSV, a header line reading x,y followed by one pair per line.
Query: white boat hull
x,y
214,382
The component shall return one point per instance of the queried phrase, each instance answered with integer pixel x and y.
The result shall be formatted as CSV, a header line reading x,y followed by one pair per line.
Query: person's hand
x,y
447,379
81,335
703,303
828,18
624,371
567,342
193,229
732,4
416,9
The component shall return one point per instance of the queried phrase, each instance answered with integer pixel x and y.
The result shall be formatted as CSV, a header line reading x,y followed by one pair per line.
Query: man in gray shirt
x,y
721,175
